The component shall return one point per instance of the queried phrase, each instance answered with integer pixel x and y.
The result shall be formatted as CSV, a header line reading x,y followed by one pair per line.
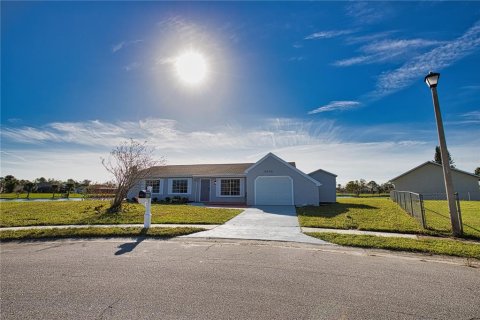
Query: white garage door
x,y
273,190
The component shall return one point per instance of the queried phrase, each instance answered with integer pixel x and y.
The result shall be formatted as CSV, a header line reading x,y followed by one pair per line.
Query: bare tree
x,y
129,163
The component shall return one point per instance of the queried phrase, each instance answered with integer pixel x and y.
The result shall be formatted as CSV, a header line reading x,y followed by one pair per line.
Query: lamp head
x,y
432,79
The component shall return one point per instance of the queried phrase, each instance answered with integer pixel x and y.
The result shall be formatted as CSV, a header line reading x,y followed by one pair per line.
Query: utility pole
x,y
432,80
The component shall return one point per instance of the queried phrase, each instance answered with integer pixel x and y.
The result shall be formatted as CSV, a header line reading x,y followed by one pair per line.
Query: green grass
x,y
38,195
364,195
377,214
428,245
15,214
95,232
438,217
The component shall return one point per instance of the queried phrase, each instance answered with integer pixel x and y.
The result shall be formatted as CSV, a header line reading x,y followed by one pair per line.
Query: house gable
x,y
428,180
274,181
271,155
431,163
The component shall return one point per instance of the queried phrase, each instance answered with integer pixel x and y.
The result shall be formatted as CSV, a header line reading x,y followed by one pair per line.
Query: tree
x,y
387,187
10,182
477,171
54,189
69,186
353,187
438,158
41,180
129,163
373,186
28,186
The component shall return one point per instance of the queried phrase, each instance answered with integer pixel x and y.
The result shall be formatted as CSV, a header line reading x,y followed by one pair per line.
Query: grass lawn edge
x,y
440,246
93,232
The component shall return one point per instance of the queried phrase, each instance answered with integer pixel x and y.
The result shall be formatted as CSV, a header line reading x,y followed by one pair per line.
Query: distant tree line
x,y
10,184
362,186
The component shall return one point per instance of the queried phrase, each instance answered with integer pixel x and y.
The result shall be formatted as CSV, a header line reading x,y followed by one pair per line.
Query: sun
x,y
191,67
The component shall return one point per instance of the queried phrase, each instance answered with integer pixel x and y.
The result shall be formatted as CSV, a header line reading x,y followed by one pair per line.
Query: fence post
x,y
411,206
459,212
422,209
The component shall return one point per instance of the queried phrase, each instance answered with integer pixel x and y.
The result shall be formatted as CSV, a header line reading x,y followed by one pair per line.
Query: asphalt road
x,y
193,279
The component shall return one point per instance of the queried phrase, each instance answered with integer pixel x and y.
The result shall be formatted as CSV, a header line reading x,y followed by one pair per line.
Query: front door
x,y
205,190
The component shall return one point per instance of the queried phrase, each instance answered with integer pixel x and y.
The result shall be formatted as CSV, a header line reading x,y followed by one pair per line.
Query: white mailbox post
x,y
147,201
147,218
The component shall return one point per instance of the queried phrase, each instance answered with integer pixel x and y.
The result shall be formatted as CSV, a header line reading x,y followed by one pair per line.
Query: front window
x,y
230,187
155,184
180,186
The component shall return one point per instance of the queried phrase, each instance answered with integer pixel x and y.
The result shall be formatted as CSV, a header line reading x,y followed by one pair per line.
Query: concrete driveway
x,y
278,223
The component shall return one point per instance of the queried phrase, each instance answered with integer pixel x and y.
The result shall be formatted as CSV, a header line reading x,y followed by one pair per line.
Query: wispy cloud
x,y
436,59
474,115
328,34
468,118
354,39
131,66
336,106
165,60
76,147
367,12
123,44
388,50
166,132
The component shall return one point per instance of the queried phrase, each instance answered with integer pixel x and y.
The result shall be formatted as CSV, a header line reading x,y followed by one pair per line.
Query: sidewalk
x,y
221,230
361,232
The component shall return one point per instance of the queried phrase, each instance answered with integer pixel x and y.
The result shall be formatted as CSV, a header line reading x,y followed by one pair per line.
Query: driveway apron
x,y
277,223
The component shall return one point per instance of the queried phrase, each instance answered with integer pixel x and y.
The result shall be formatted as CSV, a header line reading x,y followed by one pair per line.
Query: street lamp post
x,y
432,80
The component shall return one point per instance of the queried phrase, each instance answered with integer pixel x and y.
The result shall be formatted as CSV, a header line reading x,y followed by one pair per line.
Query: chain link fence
x,y
429,208
412,203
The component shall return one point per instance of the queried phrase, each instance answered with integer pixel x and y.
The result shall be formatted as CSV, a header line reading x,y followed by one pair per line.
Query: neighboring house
x,y
101,189
43,187
327,191
269,181
427,179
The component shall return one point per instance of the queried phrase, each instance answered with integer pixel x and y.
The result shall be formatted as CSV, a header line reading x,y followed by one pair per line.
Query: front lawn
x,y
377,214
36,195
86,212
427,245
438,217
89,232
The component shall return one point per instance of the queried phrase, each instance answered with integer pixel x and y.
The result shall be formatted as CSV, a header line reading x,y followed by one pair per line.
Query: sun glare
x,y
191,67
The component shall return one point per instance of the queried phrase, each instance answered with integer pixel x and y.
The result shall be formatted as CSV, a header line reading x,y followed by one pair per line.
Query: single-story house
x,y
428,180
269,181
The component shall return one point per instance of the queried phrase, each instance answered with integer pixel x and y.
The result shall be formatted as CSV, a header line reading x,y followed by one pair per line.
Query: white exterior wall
x,y
428,179
328,189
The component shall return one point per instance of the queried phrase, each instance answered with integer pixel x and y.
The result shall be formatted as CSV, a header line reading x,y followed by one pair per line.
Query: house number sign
x,y
267,171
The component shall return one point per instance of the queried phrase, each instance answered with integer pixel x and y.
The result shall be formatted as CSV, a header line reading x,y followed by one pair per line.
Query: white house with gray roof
x,y
427,179
269,181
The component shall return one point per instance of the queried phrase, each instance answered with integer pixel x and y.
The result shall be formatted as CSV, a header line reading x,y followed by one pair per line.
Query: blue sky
x,y
331,85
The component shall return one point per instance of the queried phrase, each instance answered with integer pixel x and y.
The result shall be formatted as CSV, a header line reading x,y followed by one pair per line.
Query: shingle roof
x,y
201,170
333,174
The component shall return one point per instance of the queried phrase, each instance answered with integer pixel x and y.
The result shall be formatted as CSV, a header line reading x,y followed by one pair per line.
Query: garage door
x,y
273,190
